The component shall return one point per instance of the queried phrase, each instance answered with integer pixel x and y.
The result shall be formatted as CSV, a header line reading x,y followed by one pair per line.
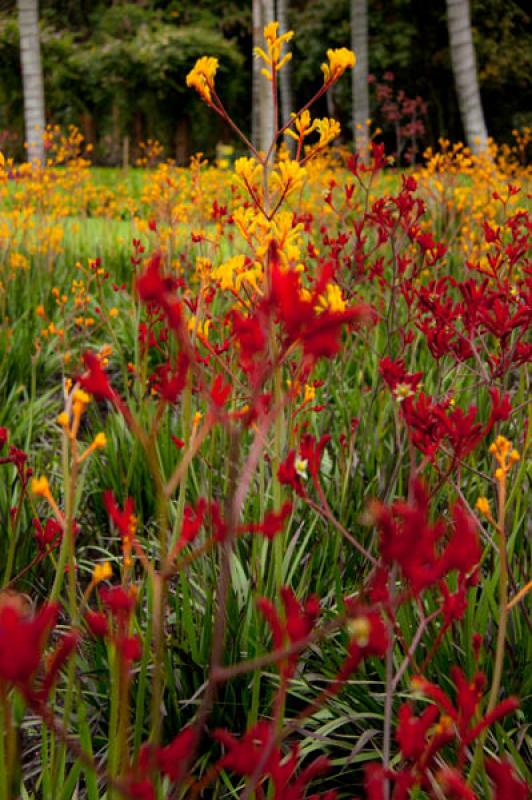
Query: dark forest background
x,y
117,69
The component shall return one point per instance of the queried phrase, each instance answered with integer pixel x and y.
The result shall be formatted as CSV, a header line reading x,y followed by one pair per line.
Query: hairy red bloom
x,y
312,451
154,288
129,648
219,392
119,601
298,622
97,623
463,550
64,649
172,758
506,782
122,519
374,781
288,787
455,785
169,381
394,373
412,731
192,521
408,538
288,475
273,522
302,321
468,697
250,333
369,637
95,380
242,755
48,536
23,638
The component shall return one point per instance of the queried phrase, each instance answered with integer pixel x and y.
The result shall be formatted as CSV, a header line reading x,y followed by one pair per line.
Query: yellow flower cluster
x,y
338,61
274,46
328,129
505,455
201,77
289,177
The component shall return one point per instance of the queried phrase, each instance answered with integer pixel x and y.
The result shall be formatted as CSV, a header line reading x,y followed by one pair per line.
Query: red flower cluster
x,y
407,538
246,756
441,725
119,603
154,288
23,640
296,624
293,468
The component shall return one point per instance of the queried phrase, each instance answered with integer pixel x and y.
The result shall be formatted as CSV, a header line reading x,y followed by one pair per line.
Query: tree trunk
x,y
285,76
266,104
262,107
182,141
32,78
88,127
465,74
256,76
359,40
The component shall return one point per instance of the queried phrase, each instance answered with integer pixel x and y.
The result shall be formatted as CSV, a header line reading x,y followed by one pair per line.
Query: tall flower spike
x,y
274,45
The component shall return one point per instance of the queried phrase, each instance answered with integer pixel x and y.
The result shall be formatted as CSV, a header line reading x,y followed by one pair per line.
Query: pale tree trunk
x,y
465,74
256,76
266,101
359,43
262,110
285,76
30,56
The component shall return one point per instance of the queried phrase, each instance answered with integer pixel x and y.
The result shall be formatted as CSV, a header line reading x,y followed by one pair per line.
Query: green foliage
x,y
119,68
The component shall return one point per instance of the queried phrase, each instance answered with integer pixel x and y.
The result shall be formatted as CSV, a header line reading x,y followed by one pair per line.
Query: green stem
x,y
113,753
70,475
501,632
503,602
187,419
4,747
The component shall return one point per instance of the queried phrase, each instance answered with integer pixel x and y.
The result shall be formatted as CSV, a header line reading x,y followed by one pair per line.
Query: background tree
x,y
359,39
117,69
285,76
30,56
465,74
262,98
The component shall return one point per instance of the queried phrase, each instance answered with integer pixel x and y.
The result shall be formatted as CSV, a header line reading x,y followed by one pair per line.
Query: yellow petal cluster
x,y
249,171
339,60
40,487
201,77
102,572
329,130
303,124
274,46
505,456
332,299
483,506
289,177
